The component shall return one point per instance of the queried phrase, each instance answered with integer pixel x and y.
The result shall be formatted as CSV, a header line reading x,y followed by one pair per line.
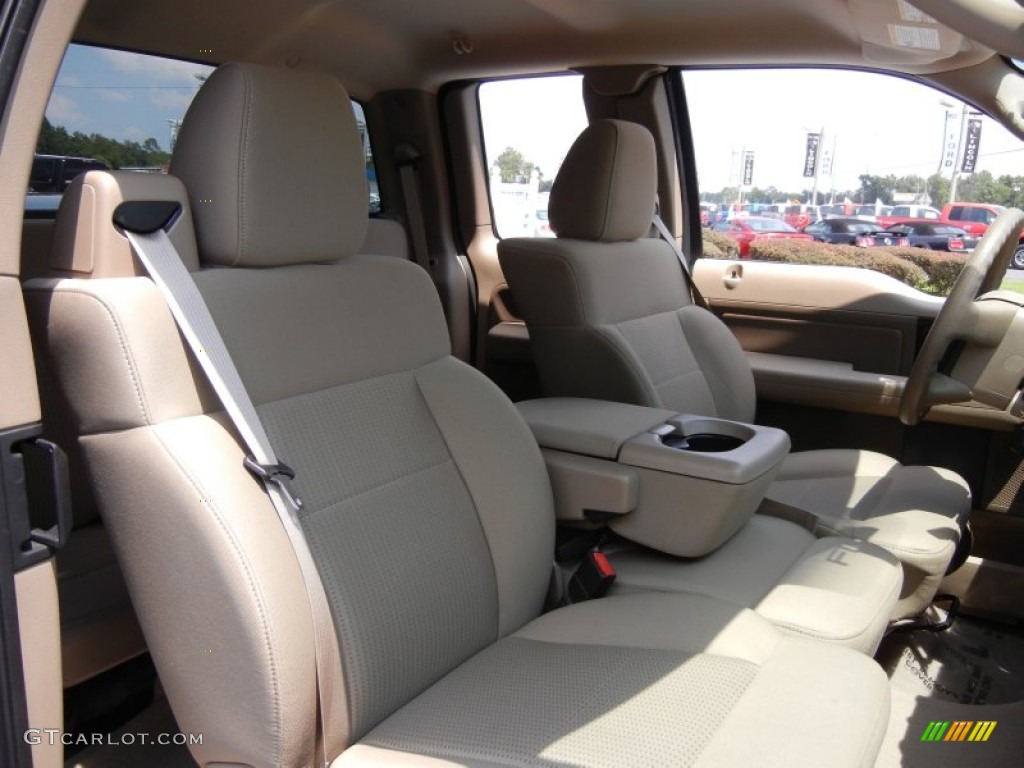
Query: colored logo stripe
x,y
958,730
982,731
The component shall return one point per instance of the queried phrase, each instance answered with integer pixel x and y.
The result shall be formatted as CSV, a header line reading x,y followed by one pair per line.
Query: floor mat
x,y
973,662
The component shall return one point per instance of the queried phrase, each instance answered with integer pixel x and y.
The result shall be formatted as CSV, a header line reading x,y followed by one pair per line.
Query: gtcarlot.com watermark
x,y
54,736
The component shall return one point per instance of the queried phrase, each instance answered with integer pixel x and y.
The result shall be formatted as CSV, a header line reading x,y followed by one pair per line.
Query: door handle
x,y
733,276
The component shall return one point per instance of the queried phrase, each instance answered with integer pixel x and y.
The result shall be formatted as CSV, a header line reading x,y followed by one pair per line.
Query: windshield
x,y
769,225
860,227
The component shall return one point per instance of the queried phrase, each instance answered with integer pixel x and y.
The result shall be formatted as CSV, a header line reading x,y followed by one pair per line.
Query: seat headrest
x,y
85,240
274,167
607,185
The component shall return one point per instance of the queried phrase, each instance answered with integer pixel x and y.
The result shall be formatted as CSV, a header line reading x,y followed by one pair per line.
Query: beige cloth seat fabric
x,y
427,508
835,588
610,317
98,626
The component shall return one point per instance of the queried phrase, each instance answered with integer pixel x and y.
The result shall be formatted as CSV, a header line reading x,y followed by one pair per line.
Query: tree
x,y
876,188
1013,191
981,187
513,168
938,189
55,140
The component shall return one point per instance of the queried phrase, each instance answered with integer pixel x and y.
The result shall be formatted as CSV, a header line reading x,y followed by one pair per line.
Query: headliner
x,y
376,45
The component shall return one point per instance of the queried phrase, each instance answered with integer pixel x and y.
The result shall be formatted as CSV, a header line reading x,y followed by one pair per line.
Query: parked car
x,y
51,174
865,211
709,214
975,219
864,234
799,216
871,212
747,229
542,227
901,213
934,235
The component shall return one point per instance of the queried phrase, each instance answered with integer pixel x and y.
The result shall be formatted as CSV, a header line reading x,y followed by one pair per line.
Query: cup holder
x,y
702,442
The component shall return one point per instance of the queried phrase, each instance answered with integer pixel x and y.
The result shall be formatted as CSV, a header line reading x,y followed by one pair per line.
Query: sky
x,y
876,124
122,95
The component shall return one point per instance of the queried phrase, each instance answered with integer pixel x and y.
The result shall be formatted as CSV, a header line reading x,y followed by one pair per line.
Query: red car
x,y
975,218
750,228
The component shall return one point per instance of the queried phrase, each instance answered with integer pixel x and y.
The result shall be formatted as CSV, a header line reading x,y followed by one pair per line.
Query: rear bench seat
x,y
428,507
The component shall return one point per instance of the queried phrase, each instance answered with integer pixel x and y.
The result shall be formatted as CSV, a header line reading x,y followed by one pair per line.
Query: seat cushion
x,y
834,588
916,513
645,679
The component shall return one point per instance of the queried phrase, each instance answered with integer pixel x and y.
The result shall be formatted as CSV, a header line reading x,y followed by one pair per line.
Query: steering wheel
x,y
982,273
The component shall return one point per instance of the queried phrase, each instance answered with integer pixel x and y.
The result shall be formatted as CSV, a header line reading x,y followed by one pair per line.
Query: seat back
x,y
98,625
608,308
427,505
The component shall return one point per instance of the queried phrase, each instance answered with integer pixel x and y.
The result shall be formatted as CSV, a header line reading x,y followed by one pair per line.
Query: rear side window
x,y
119,110
528,124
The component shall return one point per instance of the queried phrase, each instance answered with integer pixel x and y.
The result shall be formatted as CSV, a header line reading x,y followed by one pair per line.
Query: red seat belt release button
x,y
593,578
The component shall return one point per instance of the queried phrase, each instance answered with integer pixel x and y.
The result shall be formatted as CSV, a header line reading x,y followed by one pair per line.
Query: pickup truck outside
x,y
974,218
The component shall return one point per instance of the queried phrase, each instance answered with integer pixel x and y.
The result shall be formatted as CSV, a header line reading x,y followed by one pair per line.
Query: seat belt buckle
x,y
279,475
593,577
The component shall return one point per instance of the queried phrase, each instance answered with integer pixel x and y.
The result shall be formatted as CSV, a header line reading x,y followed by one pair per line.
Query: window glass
x,y
915,156
371,170
120,110
528,126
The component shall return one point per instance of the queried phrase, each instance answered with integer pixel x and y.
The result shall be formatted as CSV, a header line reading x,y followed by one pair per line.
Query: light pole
x,y
173,126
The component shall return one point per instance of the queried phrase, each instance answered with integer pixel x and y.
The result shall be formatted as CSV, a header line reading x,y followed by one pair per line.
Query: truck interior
x,y
336,430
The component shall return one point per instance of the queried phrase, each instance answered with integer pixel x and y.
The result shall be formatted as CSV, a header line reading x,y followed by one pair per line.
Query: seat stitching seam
x,y
404,476
243,165
337,385
126,350
606,214
473,499
639,371
250,580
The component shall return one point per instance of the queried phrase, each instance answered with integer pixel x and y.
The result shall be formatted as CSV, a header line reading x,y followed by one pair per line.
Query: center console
x,y
679,483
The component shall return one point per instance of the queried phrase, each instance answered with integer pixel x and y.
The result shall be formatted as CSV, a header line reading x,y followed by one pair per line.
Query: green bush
x,y
719,246
942,269
929,271
827,254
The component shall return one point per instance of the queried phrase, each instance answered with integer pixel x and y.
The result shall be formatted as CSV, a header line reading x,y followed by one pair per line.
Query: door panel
x,y
830,348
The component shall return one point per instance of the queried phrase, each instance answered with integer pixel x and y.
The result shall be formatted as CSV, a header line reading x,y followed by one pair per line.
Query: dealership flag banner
x,y
748,169
951,146
973,141
811,158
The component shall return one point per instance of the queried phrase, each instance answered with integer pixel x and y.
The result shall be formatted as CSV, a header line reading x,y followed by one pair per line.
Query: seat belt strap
x,y
408,159
146,224
698,297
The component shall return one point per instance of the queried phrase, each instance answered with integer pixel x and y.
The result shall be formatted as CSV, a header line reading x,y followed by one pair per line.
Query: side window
x,y
842,160
528,125
119,110
375,207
